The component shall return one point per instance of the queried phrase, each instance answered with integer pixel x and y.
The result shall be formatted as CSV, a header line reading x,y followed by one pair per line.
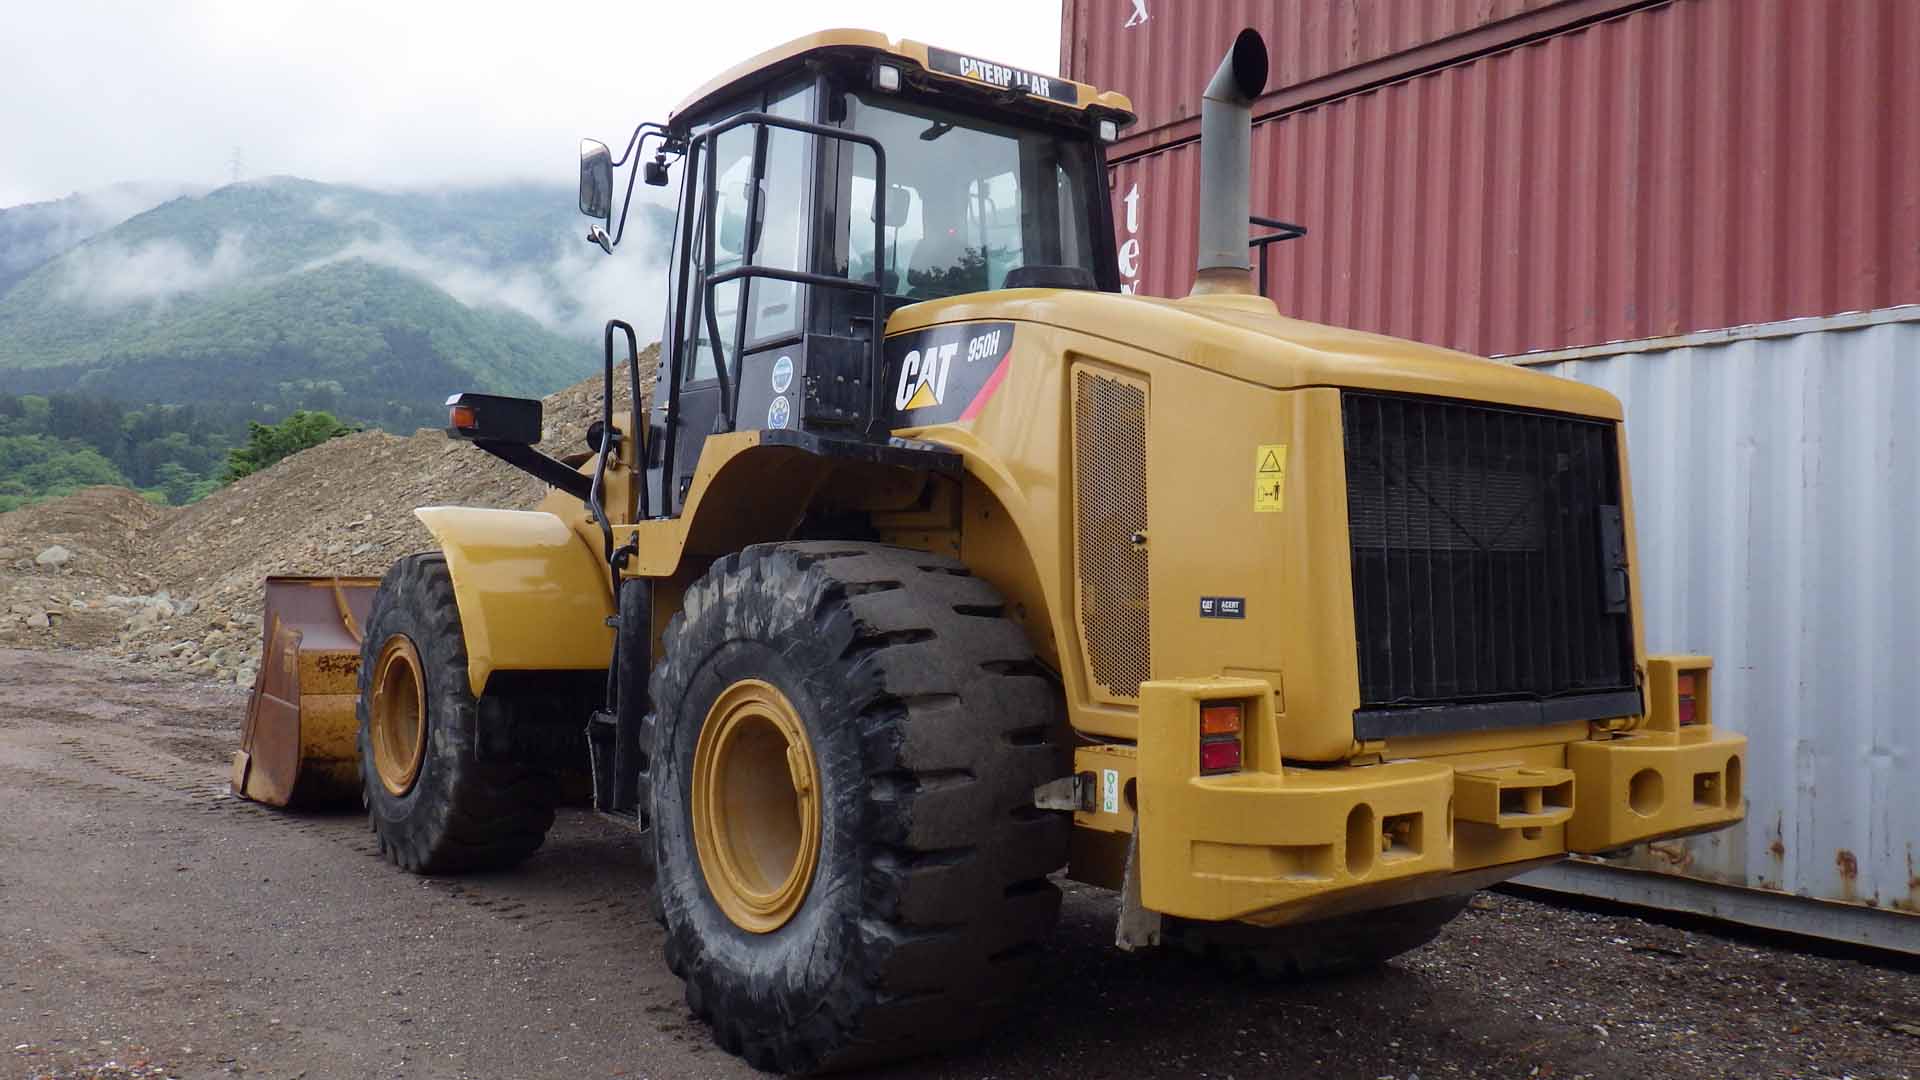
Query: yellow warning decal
x,y
1270,479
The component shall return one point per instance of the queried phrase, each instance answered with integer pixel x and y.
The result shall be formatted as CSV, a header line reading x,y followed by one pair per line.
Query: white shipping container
x,y
1776,487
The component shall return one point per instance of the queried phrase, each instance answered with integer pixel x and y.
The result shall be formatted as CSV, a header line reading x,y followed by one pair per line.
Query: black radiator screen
x,y
1487,560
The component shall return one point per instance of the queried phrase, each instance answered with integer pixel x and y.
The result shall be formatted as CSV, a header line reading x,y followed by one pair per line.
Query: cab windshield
x,y
969,200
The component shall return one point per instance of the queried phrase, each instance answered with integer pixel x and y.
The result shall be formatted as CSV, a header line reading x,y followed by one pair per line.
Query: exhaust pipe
x,y
1226,167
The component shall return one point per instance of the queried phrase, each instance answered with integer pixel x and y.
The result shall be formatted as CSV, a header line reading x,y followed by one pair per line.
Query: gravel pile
x,y
61,560
180,588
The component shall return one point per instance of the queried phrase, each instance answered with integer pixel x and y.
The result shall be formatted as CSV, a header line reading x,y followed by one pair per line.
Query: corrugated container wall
x,y
1160,52
1776,487
1700,164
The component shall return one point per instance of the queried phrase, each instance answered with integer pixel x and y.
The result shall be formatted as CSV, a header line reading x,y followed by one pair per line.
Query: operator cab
x,y
874,175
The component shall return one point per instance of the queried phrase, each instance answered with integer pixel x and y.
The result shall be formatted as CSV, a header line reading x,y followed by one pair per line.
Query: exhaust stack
x,y
1226,166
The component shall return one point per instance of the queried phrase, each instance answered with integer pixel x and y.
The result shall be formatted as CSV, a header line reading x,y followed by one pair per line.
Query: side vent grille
x,y
1110,506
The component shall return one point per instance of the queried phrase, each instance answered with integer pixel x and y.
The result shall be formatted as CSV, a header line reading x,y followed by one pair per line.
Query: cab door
x,y
773,310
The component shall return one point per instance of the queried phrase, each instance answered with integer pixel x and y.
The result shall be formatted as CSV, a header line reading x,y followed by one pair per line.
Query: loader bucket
x,y
300,743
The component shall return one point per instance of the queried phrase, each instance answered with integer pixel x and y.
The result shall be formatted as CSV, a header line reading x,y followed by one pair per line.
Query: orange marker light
x,y
1684,685
1220,726
1223,719
462,416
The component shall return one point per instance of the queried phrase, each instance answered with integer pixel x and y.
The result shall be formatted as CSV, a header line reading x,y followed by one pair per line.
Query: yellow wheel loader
x,y
935,564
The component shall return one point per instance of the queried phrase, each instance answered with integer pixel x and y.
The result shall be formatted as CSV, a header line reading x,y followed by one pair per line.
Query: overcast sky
x,y
399,92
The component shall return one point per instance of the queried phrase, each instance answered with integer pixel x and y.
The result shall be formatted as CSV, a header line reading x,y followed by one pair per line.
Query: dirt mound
x,y
182,587
63,557
96,518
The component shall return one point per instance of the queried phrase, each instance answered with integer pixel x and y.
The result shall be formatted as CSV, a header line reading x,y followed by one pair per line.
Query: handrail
x,y
1288,231
610,438
749,271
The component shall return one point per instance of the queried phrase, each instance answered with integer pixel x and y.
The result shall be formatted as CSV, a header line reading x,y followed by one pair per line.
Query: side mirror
x,y
899,205
489,418
596,180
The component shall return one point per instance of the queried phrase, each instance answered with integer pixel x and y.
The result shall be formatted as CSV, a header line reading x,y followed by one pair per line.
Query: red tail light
x,y
1684,684
1219,757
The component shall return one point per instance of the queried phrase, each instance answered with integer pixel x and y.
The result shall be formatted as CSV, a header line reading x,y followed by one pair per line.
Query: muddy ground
x,y
150,921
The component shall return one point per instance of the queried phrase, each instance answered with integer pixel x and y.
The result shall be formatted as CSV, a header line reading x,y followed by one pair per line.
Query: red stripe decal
x,y
987,391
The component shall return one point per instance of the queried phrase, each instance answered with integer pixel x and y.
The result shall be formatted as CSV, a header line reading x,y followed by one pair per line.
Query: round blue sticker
x,y
782,374
779,413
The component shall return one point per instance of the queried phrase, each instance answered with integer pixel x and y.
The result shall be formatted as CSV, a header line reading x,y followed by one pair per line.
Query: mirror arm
x,y
634,140
635,145
539,466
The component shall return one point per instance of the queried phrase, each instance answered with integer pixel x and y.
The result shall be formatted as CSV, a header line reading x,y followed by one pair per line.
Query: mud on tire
x,y
932,724
460,813
1336,946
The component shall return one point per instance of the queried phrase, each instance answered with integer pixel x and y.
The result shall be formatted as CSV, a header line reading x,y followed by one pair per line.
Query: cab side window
x,y
777,240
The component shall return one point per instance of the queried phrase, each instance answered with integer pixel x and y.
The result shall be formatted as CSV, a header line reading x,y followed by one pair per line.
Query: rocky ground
x,y
153,926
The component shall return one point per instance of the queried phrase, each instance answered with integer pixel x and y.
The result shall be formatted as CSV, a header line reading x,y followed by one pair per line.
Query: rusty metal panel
x,y
1776,486
1161,52
1700,164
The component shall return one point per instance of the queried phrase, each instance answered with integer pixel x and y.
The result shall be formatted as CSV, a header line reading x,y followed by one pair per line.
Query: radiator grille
x,y
1480,562
1110,505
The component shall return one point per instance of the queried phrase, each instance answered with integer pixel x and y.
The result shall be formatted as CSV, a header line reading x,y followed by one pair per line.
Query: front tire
x,y
434,805
843,751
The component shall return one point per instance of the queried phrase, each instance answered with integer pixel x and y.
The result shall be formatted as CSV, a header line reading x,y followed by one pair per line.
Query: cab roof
x,y
921,60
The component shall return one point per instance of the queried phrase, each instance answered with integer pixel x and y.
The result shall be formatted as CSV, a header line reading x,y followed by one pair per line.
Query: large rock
x,y
53,558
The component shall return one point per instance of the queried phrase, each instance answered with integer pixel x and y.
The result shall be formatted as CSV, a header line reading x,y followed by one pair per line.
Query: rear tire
x,y
452,812
1337,946
928,724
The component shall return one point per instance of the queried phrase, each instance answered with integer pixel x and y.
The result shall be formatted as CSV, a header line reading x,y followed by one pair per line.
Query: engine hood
x,y
1245,337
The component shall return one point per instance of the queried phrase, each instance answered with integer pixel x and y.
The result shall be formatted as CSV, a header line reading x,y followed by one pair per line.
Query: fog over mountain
x,y
32,233
288,293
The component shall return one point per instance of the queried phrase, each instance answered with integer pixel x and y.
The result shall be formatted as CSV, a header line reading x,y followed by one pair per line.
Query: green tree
x,y
267,444
35,466
178,482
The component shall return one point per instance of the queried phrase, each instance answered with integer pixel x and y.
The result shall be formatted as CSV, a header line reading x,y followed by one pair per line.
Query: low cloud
x,y
34,233
460,275
112,275
630,284
574,292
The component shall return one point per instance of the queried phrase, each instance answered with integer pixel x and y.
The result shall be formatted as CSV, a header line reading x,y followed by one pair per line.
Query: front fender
x,y
532,595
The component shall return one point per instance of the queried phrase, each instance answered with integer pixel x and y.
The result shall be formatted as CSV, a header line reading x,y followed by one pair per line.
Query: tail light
x,y
1221,725
1685,686
1679,692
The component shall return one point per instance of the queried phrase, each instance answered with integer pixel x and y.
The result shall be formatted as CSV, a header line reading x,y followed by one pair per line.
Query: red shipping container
x,y
1695,165
1160,52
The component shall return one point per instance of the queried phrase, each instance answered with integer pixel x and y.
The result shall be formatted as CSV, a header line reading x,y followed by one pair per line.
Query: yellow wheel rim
x,y
397,715
756,806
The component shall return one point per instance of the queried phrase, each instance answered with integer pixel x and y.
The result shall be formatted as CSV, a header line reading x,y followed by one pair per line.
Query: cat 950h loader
x,y
935,564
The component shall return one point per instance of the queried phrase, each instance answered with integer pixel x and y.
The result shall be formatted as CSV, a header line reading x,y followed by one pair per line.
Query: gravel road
x,y
150,926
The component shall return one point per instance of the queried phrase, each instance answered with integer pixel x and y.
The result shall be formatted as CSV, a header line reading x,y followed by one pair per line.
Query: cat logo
x,y
944,374
923,377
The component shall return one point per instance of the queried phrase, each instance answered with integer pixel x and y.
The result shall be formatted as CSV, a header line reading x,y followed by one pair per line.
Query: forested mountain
x,y
257,299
